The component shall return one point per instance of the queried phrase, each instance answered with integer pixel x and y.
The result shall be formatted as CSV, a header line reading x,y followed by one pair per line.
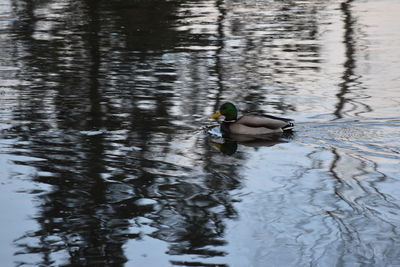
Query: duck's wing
x,y
238,128
267,121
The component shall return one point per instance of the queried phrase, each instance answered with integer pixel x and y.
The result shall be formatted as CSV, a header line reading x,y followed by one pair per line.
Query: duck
x,y
250,124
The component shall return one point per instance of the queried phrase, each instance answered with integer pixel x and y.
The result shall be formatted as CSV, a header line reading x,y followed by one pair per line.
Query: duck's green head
x,y
228,110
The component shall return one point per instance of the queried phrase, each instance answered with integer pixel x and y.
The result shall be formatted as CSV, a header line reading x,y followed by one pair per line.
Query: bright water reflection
x,y
103,156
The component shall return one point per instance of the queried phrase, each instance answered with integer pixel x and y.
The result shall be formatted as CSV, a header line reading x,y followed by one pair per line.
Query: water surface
x,y
103,155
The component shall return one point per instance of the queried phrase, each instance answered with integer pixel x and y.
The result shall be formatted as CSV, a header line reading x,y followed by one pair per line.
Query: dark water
x,y
103,156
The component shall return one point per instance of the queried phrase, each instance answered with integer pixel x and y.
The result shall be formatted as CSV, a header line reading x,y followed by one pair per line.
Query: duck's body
x,y
251,124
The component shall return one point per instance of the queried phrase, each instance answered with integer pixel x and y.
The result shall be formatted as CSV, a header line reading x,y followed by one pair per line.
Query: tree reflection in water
x,y
105,137
113,98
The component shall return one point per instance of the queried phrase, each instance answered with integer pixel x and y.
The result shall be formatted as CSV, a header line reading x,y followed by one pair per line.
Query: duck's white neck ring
x,y
229,121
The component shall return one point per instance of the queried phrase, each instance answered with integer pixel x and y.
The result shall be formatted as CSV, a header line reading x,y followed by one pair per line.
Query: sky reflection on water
x,y
104,159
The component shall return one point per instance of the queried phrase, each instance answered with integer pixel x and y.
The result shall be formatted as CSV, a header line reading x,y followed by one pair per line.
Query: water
x,y
104,159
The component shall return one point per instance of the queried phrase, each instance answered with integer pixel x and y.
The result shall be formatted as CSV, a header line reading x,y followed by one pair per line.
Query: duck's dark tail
x,y
289,126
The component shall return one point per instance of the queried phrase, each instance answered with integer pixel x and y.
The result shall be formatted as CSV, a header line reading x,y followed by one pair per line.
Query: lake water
x,y
104,155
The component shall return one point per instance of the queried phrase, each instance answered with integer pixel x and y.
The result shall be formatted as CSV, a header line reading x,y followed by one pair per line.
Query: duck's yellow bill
x,y
215,115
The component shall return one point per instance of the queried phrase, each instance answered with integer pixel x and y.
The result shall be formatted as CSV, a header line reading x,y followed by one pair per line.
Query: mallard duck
x,y
250,124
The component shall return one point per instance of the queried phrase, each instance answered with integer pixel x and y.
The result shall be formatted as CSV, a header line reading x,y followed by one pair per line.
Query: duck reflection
x,y
228,144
